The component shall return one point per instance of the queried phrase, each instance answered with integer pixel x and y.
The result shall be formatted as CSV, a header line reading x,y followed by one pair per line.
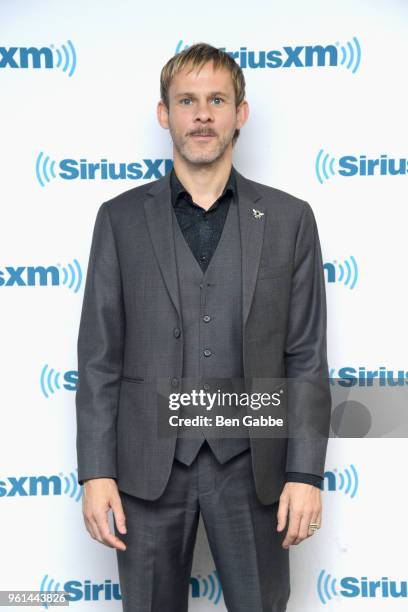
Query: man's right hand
x,y
99,496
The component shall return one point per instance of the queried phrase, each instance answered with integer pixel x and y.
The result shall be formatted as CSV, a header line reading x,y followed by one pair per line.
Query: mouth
x,y
202,136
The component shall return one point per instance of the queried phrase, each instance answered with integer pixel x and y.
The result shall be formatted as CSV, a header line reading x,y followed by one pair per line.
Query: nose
x,y
203,112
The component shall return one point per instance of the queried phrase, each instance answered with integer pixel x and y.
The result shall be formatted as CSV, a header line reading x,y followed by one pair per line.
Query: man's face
x,y
202,117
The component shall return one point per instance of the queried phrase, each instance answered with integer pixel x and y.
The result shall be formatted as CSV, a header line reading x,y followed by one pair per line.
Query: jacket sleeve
x,y
312,479
309,397
100,356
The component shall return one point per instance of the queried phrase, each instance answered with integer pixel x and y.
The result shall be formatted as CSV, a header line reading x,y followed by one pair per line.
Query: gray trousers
x,y
252,566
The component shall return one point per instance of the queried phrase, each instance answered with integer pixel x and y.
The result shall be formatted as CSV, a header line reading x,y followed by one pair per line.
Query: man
x,y
201,274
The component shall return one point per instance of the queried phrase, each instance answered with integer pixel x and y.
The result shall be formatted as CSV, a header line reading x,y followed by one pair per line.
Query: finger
x,y
108,537
293,529
94,529
119,515
90,522
282,513
304,531
317,519
314,519
88,526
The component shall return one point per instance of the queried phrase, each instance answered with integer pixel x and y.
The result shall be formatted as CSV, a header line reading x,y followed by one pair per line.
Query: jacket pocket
x,y
133,379
273,271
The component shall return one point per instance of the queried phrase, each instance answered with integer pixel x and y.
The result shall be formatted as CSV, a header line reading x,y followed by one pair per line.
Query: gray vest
x,y
211,310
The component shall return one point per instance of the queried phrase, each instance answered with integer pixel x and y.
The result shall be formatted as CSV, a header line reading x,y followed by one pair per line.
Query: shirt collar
x,y
177,188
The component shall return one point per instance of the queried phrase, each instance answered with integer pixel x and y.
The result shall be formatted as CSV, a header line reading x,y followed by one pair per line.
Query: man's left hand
x,y
303,502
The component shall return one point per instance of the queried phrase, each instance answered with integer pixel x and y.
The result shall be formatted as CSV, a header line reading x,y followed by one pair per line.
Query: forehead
x,y
202,79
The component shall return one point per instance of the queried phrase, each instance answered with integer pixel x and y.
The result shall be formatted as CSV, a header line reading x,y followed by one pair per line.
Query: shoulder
x,y
281,203
127,206
278,198
128,198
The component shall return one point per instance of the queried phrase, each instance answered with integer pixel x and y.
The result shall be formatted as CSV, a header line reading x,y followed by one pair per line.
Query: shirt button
x,y
176,332
206,318
206,387
174,382
207,352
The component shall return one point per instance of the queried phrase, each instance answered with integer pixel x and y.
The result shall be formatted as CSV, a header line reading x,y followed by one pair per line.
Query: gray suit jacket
x,y
129,336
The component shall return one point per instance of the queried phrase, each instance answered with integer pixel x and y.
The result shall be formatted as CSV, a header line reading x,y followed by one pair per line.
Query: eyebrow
x,y
192,95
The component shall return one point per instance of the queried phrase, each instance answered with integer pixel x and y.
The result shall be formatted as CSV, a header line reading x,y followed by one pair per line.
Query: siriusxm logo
x,y
50,380
326,166
63,57
345,273
69,276
346,55
68,169
34,486
77,590
349,376
352,586
345,481
208,587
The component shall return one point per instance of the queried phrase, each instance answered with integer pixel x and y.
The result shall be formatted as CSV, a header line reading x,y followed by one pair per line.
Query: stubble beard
x,y
192,154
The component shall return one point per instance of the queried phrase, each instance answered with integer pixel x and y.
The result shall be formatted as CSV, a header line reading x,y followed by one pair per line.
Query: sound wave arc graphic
x,y
348,480
71,275
211,587
49,381
350,54
180,47
66,57
49,584
349,274
45,169
72,488
324,166
326,587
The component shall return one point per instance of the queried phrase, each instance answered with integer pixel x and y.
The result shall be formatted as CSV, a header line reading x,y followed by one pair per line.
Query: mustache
x,y
202,133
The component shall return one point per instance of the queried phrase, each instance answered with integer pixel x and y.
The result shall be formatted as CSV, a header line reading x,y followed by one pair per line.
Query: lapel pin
x,y
257,213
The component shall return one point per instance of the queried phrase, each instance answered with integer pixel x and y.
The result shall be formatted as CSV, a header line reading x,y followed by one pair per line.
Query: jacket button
x,y
206,387
207,352
174,382
176,332
206,318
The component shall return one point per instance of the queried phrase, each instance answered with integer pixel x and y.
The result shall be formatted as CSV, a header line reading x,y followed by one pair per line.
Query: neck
x,y
205,183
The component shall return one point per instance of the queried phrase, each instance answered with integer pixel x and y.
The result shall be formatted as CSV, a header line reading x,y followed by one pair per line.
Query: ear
x,y
242,114
163,114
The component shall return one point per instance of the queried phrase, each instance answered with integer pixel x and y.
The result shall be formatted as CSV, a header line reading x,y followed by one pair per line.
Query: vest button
x,y
177,332
207,352
206,318
174,382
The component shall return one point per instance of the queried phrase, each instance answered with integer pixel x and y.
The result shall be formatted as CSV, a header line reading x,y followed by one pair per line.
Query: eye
x,y
189,100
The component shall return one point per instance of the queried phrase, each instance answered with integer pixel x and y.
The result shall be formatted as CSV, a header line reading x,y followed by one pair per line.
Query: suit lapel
x,y
252,234
160,224
159,221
